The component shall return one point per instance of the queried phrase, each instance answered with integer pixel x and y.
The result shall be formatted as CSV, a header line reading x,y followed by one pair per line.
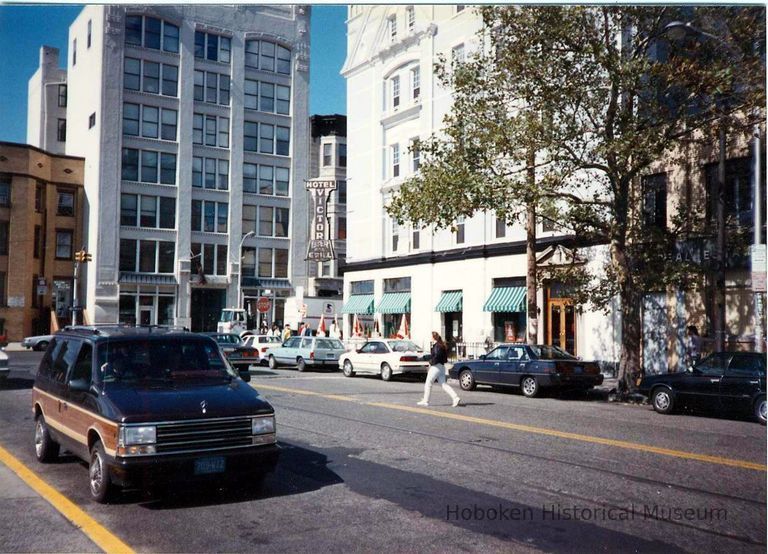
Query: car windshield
x,y
329,344
226,316
180,359
403,346
227,339
551,353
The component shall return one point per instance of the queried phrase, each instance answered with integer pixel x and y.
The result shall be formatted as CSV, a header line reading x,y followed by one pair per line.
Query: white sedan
x,y
385,357
39,342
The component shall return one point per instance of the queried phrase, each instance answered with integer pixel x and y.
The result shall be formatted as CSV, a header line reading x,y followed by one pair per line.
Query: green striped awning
x,y
358,304
395,303
450,301
506,299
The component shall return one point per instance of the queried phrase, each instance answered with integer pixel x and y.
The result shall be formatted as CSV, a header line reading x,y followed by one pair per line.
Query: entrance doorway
x,y
206,308
561,320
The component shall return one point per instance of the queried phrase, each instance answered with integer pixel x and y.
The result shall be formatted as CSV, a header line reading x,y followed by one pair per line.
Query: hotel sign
x,y
320,247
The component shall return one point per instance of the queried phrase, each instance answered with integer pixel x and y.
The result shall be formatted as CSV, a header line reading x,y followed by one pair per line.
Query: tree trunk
x,y
530,276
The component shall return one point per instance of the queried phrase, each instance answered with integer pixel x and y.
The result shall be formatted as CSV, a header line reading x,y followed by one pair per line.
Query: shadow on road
x,y
17,383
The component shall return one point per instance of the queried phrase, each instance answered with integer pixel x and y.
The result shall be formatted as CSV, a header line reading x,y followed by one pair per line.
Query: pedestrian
x,y
693,345
437,360
305,331
334,331
275,332
287,332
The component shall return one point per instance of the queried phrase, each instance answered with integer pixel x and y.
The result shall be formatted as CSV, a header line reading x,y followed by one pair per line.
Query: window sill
x,y
391,118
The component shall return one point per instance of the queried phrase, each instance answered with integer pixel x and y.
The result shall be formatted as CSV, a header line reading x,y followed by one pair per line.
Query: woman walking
x,y
437,360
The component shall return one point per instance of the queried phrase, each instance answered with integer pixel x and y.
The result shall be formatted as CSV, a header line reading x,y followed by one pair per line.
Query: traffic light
x,y
88,257
82,256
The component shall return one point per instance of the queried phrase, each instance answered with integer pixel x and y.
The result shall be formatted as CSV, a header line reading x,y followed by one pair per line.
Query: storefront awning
x,y
256,282
395,303
146,279
358,304
506,299
450,301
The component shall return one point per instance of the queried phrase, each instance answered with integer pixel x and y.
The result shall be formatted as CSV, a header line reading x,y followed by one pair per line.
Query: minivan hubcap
x,y
762,410
39,438
662,400
96,473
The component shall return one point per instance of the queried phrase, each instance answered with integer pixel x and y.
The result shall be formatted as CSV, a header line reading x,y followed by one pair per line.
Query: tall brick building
x,y
41,209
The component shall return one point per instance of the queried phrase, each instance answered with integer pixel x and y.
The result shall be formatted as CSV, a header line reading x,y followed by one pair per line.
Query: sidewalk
x,y
16,347
32,524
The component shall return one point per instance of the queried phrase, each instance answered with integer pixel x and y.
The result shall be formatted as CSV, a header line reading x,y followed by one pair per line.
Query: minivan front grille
x,y
194,436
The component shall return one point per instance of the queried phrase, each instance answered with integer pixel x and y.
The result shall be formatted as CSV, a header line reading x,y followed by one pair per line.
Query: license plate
x,y
204,466
578,369
331,356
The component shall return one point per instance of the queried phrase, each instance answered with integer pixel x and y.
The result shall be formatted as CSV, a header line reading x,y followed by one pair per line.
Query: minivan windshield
x,y
178,359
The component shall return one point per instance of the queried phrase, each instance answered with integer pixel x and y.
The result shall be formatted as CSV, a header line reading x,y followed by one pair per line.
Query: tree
x,y
599,94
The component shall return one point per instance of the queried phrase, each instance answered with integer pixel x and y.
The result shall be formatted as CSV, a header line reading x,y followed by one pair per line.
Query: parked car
x,y
138,403
239,354
304,352
385,357
721,382
532,368
37,343
4,369
262,343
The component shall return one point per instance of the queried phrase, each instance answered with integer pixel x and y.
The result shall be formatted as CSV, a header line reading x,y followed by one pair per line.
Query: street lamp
x,y
677,30
240,264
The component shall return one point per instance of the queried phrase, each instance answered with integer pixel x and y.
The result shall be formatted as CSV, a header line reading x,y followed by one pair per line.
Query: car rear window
x,y
551,353
403,346
329,344
166,360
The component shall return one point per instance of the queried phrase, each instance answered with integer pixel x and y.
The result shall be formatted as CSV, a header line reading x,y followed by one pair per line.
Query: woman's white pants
x,y
437,373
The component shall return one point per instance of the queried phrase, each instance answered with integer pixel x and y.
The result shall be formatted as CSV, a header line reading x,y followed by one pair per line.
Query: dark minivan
x,y
142,403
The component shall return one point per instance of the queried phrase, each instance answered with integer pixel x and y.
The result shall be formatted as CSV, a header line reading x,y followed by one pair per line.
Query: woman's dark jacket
x,y
439,354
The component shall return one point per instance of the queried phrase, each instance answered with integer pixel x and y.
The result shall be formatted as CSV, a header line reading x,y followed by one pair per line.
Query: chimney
x,y
49,57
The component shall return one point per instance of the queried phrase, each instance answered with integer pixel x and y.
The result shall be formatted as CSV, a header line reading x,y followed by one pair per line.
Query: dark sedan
x,y
530,367
723,381
239,354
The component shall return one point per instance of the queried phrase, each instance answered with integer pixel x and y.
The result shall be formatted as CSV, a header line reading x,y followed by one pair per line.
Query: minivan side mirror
x,y
79,385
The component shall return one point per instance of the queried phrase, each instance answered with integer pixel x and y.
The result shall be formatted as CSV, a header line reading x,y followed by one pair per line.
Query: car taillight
x,y
409,359
563,368
312,355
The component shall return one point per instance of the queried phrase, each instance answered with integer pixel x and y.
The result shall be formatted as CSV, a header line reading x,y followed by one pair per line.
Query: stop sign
x,y
263,304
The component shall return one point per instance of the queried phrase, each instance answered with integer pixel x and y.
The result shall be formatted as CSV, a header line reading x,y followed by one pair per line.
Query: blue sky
x,y
23,29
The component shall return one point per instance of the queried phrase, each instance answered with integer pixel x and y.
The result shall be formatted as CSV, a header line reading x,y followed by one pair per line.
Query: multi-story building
x,y
41,226
189,118
47,104
328,160
467,283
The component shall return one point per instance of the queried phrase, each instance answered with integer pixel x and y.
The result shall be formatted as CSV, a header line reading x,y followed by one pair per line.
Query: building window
x,y
167,169
88,40
266,138
341,228
342,150
62,96
167,212
148,215
395,92
250,177
250,136
267,56
170,37
147,256
130,165
63,245
152,32
133,27
341,191
415,83
265,262
395,160
327,154
457,54
39,197
66,203
197,129
149,121
392,28
460,230
251,94
156,33
655,200
4,238
395,235
131,119
148,167
222,181
38,245
252,54
128,209
283,60
212,47
266,221
737,193
3,298
92,120
283,141
151,80
221,259
283,105
267,97
166,256
127,255
281,222
74,52
501,228
132,74
410,17
168,130
209,217
249,219
224,132
415,155
210,130
61,130
170,80
5,191
266,179
282,178
415,239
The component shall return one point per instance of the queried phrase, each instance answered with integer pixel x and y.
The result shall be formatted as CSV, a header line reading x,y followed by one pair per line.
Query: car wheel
x,y
760,410
467,380
272,362
46,449
530,386
348,370
662,400
386,372
101,486
301,365
42,345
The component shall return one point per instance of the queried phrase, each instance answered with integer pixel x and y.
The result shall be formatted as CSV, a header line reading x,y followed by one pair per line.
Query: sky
x,y
23,29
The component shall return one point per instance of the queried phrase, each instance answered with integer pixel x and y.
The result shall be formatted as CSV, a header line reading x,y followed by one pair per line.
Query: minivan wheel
x,y
467,380
101,486
530,386
386,372
662,401
301,365
760,410
272,362
348,370
46,449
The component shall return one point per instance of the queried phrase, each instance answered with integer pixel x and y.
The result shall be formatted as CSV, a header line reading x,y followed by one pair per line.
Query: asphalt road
x,y
364,469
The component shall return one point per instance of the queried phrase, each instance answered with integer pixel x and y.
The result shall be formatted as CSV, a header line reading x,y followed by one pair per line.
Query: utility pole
x,y
719,304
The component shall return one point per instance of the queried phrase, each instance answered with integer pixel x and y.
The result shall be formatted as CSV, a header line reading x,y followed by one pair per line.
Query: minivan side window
x,y
64,358
83,365
46,364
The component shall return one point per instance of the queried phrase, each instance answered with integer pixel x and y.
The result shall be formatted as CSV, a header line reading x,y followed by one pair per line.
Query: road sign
x,y
328,308
263,304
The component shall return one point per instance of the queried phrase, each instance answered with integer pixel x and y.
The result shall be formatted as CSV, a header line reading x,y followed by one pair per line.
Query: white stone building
x,y
190,118
47,103
467,284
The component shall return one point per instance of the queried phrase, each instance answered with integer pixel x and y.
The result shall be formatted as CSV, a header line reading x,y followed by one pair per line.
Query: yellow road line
x,y
540,431
98,534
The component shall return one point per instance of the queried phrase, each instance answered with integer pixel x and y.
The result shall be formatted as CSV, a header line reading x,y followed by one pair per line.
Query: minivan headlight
x,y
262,425
138,435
